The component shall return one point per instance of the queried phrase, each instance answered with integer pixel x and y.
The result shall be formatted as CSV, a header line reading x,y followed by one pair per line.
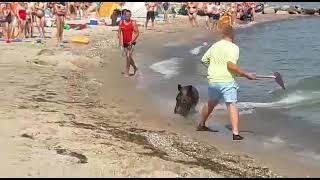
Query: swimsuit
x,y
22,14
8,18
151,15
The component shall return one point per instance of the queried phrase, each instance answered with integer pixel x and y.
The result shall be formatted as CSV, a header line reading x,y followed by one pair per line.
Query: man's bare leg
x,y
152,24
234,117
206,111
127,67
207,23
42,23
146,25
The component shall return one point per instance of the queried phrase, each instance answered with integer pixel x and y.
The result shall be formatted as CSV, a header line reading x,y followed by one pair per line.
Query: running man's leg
x,y
147,20
207,110
128,61
130,51
234,117
230,95
152,20
214,96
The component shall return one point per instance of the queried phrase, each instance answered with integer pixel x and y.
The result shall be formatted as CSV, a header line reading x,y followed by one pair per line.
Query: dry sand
x,y
61,119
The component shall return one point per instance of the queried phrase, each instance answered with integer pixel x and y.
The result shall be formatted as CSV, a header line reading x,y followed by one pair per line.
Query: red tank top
x,y
127,31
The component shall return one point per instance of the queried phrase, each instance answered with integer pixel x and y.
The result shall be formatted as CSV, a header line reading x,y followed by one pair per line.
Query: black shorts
x,y
151,15
215,16
209,15
125,45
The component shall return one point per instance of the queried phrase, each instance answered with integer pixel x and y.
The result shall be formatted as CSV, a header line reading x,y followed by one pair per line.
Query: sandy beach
x,y
70,113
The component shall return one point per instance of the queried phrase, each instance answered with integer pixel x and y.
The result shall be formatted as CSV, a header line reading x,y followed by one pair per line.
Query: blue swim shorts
x,y
227,91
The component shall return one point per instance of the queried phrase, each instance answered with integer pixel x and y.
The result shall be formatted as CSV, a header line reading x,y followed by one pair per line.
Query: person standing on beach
x,y
8,20
192,13
209,12
60,12
151,8
165,6
222,60
128,34
216,15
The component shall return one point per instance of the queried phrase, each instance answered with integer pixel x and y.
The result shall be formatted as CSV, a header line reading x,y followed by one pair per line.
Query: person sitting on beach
x,y
221,59
60,12
128,34
151,9
192,13
247,12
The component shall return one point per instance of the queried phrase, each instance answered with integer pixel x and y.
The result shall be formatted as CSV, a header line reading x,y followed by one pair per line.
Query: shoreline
x,y
170,122
80,118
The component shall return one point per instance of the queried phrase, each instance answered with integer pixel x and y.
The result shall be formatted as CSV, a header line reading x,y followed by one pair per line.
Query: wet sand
x,y
70,113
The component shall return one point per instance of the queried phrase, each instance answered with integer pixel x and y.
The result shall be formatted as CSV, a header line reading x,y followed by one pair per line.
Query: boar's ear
x,y
179,87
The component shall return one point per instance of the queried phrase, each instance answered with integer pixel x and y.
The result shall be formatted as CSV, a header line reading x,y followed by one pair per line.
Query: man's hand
x,y
251,76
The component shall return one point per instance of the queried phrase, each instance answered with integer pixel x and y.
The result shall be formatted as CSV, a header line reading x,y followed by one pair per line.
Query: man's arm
x,y
120,35
136,32
233,67
205,60
236,69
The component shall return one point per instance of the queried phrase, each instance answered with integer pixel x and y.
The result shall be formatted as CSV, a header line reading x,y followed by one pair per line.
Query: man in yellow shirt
x,y
222,60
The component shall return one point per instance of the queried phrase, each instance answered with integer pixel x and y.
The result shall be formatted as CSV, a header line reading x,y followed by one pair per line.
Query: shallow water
x,y
288,117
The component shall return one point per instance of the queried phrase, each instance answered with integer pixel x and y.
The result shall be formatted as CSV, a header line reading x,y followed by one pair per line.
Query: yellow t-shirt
x,y
217,57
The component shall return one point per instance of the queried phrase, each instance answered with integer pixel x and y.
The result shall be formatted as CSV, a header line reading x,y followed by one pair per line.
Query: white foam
x,y
169,68
277,139
171,44
196,50
291,100
309,154
245,25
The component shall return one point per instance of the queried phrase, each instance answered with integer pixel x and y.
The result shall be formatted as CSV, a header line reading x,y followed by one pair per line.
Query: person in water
x,y
128,34
222,60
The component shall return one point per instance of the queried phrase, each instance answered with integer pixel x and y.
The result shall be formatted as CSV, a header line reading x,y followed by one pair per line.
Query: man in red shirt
x,y
128,34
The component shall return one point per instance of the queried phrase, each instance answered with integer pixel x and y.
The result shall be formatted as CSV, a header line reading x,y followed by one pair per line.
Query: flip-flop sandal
x,y
203,128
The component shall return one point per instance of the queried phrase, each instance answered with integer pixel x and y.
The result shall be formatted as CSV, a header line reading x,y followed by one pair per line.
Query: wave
x,y
304,94
196,50
171,44
240,26
169,68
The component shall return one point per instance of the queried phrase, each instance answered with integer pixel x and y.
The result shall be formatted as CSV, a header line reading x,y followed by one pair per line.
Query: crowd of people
x,y
18,19
216,13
